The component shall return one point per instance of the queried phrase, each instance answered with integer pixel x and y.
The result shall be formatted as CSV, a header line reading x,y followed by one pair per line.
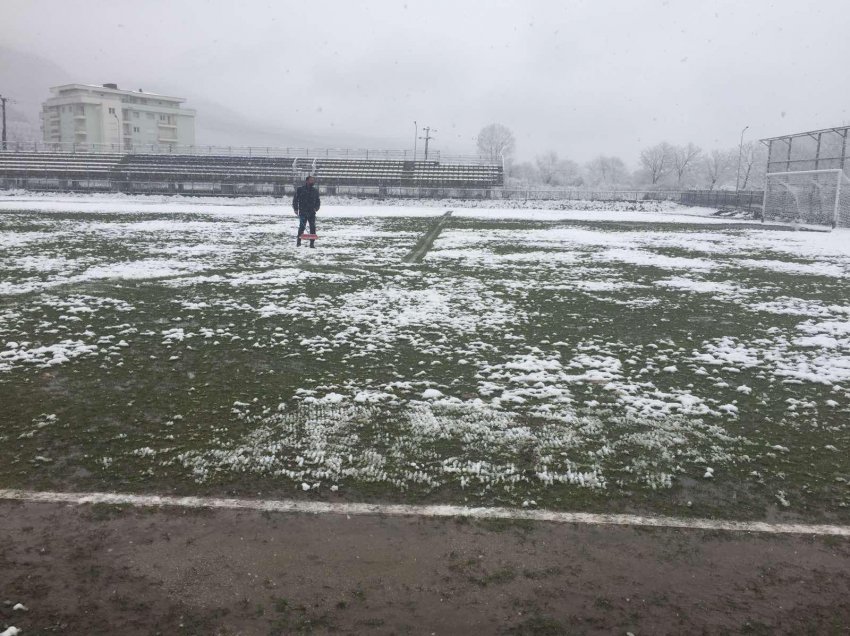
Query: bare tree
x,y
683,159
20,128
717,166
753,165
523,173
547,167
553,171
606,171
568,173
656,161
495,141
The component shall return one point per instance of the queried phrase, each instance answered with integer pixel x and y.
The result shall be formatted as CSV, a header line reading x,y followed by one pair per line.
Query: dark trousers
x,y
303,220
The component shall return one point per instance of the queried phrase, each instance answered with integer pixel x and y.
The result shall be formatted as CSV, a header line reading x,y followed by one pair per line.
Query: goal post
x,y
812,197
807,178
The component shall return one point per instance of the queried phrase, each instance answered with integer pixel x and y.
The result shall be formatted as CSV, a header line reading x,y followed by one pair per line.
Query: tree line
x,y
663,166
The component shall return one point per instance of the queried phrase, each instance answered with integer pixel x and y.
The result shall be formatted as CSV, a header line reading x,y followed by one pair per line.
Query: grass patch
x,y
602,366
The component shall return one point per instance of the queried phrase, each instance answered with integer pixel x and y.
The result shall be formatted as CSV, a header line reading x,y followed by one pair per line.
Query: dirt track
x,y
109,570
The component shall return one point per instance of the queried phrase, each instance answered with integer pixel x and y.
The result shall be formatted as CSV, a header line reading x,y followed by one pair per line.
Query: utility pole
x,y
738,176
3,101
415,137
427,138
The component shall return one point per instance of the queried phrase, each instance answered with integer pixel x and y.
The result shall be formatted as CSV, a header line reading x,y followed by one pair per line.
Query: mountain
x,y
25,78
219,125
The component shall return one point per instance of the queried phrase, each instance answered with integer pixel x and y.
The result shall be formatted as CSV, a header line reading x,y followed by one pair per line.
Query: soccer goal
x,y
810,197
807,178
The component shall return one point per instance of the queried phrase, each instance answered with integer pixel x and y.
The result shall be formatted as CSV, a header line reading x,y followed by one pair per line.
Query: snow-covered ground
x,y
533,354
334,206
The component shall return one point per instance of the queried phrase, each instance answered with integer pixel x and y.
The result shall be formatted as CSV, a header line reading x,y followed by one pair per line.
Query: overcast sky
x,y
580,78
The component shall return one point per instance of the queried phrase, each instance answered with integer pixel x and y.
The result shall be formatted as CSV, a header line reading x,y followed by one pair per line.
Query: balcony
x,y
162,124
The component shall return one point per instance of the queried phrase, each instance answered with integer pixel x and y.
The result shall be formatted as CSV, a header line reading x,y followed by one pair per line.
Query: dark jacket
x,y
306,200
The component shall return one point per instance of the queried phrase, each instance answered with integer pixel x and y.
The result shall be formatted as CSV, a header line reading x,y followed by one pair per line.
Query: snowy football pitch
x,y
605,361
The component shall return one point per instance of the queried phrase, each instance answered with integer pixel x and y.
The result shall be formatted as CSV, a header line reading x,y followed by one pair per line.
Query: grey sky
x,y
580,78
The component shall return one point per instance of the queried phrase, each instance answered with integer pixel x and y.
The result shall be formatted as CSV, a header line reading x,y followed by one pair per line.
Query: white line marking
x,y
405,510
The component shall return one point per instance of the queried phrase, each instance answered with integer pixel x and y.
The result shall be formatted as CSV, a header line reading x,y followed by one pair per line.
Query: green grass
x,y
225,415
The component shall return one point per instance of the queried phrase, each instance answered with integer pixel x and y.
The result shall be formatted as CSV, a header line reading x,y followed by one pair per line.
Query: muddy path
x,y
426,242
118,570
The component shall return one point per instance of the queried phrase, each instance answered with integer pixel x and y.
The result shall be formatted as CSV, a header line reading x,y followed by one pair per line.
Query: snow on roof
x,y
125,91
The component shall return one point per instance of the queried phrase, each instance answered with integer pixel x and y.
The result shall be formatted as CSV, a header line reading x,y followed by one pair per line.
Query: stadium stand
x,y
58,165
224,172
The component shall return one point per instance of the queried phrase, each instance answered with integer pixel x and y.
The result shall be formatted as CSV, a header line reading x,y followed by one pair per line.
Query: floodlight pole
x,y
738,175
3,102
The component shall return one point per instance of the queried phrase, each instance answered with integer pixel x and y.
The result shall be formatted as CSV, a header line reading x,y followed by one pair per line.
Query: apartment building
x,y
106,115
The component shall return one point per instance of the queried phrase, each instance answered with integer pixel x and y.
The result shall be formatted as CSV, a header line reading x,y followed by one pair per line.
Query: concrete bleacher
x,y
58,165
226,169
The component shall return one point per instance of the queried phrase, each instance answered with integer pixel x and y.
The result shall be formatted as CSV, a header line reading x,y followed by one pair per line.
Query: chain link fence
x,y
742,200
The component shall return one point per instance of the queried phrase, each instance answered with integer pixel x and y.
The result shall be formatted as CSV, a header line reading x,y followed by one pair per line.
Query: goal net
x,y
811,197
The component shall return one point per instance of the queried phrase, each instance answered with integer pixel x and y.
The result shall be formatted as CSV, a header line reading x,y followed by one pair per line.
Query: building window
x,y
135,114
135,129
111,111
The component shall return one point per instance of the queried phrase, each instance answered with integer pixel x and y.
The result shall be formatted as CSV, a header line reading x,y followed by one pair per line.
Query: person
x,y
306,203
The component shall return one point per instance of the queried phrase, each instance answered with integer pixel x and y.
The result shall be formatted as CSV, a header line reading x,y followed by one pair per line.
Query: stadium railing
x,y
247,151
